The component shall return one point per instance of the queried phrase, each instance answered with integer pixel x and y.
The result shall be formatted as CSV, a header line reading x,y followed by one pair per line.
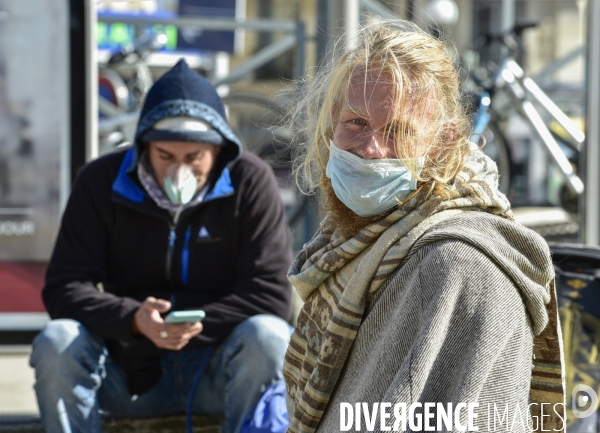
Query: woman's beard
x,y
344,220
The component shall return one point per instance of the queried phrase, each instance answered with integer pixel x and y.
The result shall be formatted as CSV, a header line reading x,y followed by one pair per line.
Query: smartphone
x,y
187,316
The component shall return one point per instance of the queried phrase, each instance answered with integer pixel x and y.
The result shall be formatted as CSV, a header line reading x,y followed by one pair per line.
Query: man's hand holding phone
x,y
172,336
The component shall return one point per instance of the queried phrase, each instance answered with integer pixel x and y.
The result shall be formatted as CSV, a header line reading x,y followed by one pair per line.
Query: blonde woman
x,y
427,307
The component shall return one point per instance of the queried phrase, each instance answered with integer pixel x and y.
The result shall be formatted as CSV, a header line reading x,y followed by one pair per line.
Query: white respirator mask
x,y
180,184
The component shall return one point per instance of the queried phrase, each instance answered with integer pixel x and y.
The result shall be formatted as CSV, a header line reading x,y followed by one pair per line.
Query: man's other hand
x,y
148,321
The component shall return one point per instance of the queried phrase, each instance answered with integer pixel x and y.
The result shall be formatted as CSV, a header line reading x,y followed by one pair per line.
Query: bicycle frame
x,y
522,89
482,116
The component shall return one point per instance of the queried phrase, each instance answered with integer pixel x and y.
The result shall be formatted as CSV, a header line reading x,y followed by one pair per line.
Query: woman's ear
x,y
450,133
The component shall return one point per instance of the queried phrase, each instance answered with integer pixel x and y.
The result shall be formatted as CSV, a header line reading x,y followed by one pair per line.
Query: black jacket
x,y
228,255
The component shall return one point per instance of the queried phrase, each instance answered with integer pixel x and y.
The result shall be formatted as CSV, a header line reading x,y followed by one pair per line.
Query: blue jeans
x,y
76,377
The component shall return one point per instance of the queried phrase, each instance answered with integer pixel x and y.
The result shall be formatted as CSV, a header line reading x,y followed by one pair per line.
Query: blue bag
x,y
270,414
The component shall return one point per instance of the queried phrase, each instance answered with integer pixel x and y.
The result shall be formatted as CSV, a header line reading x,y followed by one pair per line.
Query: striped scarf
x,y
336,276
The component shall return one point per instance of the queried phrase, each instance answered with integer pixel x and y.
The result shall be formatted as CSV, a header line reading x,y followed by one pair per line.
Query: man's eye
x,y
164,157
196,157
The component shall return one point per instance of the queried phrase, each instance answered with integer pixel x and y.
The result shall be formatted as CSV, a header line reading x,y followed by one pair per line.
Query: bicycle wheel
x,y
496,147
256,120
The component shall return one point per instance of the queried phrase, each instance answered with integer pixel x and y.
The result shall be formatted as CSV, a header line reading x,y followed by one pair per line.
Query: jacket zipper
x,y
172,238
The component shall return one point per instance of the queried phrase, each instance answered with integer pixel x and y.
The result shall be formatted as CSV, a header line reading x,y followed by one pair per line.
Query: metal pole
x,y
322,31
265,55
410,10
300,60
591,156
220,61
351,22
508,14
344,19
259,25
379,9
91,85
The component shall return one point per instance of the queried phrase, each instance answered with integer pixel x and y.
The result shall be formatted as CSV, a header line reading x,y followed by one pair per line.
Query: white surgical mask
x,y
370,187
180,184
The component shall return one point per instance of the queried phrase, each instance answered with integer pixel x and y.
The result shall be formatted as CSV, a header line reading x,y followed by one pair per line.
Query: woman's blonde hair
x,y
426,86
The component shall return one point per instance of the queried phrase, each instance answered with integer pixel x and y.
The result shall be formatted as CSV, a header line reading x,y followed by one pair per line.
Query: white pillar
x,y
91,66
343,18
592,142
508,14
351,22
220,70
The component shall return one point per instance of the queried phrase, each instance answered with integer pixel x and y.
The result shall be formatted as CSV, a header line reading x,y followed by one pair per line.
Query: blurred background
x,y
73,75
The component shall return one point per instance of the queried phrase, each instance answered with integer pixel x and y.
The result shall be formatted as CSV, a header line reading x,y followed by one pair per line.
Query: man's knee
x,y
267,334
58,339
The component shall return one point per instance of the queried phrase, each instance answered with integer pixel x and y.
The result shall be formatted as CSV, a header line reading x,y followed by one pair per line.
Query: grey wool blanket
x,y
442,302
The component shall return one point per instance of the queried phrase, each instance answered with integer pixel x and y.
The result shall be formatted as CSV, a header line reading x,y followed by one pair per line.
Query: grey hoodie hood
x,y
518,251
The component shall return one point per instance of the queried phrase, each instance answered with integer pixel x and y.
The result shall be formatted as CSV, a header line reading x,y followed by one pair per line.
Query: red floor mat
x,y
20,287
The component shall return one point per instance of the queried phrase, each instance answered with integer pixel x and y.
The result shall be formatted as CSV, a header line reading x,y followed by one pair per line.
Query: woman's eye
x,y
359,122
404,130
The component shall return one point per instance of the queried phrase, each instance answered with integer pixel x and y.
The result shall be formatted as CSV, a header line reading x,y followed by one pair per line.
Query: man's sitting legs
x,y
244,365
76,377
69,367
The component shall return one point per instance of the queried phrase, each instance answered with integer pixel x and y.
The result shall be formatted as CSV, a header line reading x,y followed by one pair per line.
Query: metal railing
x,y
295,38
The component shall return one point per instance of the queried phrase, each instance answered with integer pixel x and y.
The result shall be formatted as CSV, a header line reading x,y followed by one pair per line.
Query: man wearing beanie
x,y
182,220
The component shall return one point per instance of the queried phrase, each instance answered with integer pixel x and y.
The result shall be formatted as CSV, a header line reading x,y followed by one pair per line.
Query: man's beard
x,y
343,219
